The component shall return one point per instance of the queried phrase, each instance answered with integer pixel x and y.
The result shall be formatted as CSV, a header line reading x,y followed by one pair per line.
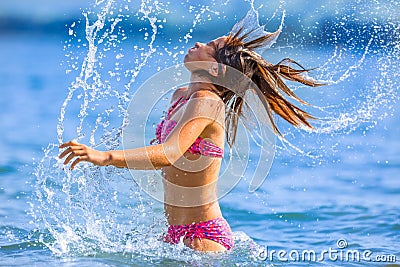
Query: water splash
x,y
95,211
355,54
250,25
88,211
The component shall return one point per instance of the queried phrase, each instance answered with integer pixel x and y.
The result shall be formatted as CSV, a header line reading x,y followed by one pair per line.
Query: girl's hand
x,y
79,152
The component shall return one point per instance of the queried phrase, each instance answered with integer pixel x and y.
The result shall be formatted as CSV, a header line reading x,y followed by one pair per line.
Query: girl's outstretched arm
x,y
203,110
151,157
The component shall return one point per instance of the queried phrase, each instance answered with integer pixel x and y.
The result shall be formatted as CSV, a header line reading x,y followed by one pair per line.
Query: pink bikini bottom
x,y
217,230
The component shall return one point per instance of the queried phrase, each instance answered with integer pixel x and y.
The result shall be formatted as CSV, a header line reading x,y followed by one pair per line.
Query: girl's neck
x,y
197,84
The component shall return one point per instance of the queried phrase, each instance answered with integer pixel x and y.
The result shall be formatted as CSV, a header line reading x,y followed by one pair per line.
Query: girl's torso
x,y
190,185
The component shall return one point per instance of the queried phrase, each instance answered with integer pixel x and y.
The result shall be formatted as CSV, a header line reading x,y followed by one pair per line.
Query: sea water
x,y
333,191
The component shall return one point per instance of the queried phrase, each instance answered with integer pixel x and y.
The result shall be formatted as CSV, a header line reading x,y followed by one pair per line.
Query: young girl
x,y
201,116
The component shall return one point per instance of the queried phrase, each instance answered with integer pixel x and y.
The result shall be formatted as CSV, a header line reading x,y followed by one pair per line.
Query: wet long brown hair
x,y
240,55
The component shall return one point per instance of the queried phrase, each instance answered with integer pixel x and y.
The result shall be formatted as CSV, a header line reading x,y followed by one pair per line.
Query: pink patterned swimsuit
x,y
200,146
217,230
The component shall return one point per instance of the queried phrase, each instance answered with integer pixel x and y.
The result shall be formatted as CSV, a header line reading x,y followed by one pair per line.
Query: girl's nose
x,y
197,44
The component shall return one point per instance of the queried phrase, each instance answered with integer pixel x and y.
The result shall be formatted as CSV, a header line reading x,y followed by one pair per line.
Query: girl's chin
x,y
187,59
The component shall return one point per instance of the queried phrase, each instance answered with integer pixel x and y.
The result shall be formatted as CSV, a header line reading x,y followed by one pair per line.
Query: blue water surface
x,y
343,195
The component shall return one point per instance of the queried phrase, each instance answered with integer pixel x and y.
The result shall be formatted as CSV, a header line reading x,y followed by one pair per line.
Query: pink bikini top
x,y
200,146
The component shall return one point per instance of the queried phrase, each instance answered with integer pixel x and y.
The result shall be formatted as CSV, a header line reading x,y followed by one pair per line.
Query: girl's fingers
x,y
79,152
74,152
69,158
74,149
70,143
79,159
65,152
75,162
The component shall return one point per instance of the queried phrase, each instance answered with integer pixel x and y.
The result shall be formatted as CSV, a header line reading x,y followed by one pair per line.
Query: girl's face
x,y
201,52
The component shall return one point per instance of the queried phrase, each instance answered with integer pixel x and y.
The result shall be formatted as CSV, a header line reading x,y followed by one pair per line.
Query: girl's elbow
x,y
172,154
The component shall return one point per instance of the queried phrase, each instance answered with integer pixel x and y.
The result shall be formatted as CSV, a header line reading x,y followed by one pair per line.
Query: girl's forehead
x,y
220,41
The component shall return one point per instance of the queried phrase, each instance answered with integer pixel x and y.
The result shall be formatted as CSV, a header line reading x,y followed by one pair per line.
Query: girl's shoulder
x,y
208,94
178,94
181,93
